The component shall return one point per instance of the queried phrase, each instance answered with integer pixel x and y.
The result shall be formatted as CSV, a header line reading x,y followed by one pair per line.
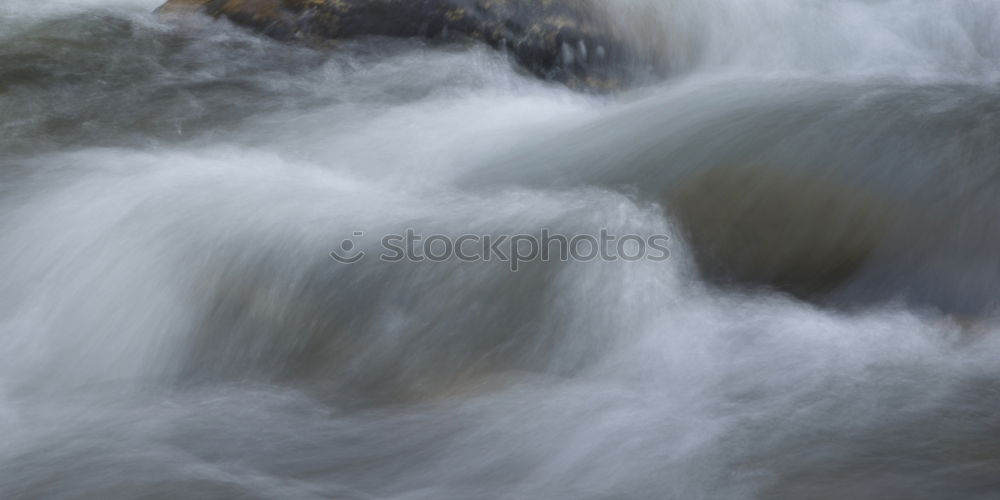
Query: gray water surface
x,y
171,325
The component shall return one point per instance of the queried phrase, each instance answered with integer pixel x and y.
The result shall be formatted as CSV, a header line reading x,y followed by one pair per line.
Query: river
x,y
172,324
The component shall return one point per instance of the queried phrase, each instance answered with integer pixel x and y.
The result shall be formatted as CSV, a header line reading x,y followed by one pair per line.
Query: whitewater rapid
x,y
172,326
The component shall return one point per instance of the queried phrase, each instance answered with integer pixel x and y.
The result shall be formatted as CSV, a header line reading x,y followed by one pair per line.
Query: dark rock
x,y
791,232
560,40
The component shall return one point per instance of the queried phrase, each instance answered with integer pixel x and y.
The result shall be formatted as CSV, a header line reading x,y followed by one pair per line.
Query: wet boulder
x,y
765,227
561,40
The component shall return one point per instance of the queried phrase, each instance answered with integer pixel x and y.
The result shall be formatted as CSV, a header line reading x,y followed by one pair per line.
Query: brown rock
x,y
561,40
787,231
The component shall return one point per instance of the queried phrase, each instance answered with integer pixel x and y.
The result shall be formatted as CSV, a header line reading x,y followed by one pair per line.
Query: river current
x,y
172,324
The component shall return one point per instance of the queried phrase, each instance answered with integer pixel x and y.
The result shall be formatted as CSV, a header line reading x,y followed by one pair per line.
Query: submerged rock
x,y
787,231
560,40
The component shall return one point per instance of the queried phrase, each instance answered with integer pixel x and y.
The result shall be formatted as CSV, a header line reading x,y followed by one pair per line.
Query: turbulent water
x,y
172,326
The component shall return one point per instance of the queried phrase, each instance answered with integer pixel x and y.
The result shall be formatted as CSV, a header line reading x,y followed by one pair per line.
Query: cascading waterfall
x,y
172,325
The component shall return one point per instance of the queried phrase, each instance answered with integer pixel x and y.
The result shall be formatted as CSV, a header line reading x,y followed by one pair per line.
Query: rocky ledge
x,y
560,40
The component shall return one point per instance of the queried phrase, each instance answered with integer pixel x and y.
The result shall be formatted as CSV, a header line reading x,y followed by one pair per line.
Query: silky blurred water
x,y
171,324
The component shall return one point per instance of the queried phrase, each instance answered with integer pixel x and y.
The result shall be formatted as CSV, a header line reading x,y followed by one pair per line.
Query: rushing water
x,y
171,325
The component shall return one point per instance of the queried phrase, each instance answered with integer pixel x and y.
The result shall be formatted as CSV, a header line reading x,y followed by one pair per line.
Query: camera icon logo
x,y
347,254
